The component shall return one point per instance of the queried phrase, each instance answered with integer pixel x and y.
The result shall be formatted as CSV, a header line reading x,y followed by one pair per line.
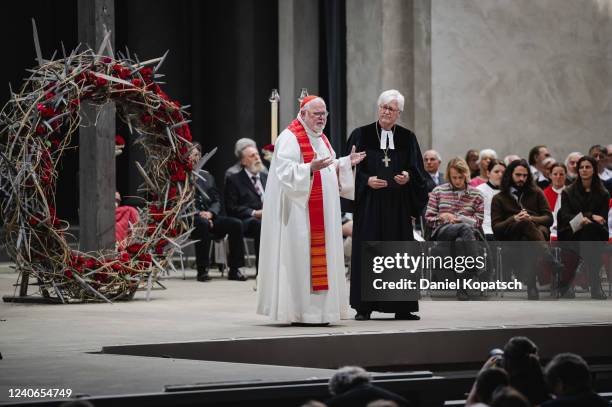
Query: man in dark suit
x,y
211,224
244,195
432,161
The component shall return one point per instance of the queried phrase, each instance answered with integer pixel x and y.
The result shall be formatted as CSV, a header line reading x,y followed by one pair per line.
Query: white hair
x,y
389,95
511,157
348,377
241,144
578,153
487,152
438,156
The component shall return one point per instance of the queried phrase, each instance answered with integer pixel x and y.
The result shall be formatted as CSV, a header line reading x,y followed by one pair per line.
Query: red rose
x,y
145,257
107,60
146,118
172,193
33,221
45,111
137,82
40,130
49,95
124,257
119,140
80,78
269,147
135,248
146,73
92,264
151,229
100,82
179,176
68,273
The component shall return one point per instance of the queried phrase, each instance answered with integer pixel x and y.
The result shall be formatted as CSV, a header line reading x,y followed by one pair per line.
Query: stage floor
x,y
56,346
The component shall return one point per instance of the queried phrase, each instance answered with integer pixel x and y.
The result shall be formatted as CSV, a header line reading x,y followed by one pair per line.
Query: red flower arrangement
x,y
162,126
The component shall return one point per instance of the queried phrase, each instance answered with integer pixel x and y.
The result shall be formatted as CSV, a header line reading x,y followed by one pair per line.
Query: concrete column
x,y
384,40
422,72
298,53
96,142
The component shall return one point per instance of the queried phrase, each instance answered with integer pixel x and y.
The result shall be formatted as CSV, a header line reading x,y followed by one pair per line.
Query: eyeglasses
x,y
320,115
388,108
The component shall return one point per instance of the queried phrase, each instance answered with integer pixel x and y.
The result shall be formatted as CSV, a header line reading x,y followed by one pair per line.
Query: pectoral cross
x,y
386,160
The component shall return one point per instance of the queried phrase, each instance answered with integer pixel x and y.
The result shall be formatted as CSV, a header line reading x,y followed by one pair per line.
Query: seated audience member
x,y
525,373
544,181
244,193
211,224
509,397
432,161
537,155
600,154
352,386
484,158
471,158
489,380
124,217
583,217
558,173
240,145
455,210
570,164
569,378
509,158
520,212
488,190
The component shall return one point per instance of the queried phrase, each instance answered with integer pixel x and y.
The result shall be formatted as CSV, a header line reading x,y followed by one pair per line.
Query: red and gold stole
x,y
318,261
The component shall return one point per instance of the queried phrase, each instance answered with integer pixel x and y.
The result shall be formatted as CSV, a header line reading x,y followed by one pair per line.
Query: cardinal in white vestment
x,y
301,257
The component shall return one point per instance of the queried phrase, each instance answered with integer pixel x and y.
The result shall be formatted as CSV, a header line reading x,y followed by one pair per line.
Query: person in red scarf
x,y
558,174
301,259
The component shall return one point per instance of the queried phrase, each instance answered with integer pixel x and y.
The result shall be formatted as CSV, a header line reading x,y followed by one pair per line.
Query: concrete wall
x,y
515,73
378,57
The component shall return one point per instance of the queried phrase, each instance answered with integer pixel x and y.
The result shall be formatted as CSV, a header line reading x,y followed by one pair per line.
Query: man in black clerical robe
x,y
390,189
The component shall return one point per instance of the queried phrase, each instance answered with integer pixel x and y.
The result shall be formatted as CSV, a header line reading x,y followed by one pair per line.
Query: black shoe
x,y
598,294
407,316
362,316
236,274
532,293
307,324
203,275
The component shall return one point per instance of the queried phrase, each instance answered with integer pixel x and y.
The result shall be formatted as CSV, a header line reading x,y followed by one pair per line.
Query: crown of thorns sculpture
x,y
36,126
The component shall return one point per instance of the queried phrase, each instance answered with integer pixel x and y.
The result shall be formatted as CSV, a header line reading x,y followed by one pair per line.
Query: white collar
x,y
558,191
